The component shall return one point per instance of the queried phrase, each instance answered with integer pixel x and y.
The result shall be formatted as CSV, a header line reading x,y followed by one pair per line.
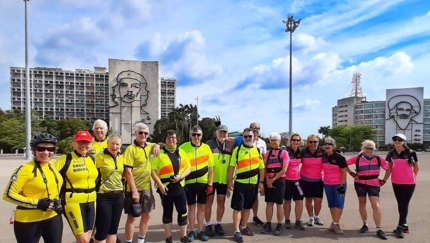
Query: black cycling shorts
x,y
196,193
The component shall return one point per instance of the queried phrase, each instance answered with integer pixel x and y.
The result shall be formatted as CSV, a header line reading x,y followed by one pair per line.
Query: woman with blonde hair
x,y
367,183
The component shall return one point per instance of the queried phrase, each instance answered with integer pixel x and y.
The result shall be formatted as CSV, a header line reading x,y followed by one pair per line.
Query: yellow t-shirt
x,y
111,170
138,158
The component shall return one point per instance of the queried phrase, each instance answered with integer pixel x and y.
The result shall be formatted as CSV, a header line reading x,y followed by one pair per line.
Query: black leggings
x,y
51,230
108,214
403,195
180,202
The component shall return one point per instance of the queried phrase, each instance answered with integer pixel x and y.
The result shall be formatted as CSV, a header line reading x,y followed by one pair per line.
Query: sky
x,y
234,54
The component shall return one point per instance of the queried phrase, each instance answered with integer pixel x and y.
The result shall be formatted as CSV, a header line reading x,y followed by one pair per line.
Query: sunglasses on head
x,y
196,134
43,149
397,140
141,133
247,136
330,144
313,141
295,140
371,149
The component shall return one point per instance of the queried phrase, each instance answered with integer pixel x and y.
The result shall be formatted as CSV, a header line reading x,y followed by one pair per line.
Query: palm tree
x,y
324,130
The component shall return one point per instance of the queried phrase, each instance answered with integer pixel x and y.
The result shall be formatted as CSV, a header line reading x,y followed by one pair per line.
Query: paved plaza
x,y
419,216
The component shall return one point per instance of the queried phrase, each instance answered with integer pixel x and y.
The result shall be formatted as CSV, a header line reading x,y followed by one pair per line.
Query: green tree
x,y
68,127
12,134
324,130
65,145
351,137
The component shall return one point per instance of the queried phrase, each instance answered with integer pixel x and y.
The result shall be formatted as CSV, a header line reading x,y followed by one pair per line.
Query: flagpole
x,y
197,110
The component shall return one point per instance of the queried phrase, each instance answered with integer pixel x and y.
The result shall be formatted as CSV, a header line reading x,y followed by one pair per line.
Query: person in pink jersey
x,y
311,179
334,168
404,166
292,185
367,182
276,162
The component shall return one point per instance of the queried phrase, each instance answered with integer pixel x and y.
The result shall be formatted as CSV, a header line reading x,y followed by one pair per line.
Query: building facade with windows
x,y
404,111
81,93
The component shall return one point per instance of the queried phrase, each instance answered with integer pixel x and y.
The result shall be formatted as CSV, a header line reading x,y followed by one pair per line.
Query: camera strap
x,y
221,149
45,180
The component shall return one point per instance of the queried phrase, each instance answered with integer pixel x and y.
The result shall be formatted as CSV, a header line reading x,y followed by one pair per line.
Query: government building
x,y
403,111
131,91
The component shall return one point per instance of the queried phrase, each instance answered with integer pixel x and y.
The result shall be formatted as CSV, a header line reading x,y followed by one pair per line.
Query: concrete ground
x,y
419,216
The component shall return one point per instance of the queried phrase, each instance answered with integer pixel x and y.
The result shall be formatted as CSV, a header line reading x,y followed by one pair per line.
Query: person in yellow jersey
x,y
198,182
100,130
248,164
221,151
169,170
79,199
35,188
110,195
137,172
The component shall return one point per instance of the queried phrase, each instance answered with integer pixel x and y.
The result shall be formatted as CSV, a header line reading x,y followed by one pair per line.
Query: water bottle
x,y
299,188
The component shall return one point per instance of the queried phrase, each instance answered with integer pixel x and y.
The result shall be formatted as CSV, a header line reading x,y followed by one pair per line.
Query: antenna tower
x,y
356,88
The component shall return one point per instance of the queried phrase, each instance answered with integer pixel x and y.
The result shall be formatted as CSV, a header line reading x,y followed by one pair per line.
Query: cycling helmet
x,y
43,138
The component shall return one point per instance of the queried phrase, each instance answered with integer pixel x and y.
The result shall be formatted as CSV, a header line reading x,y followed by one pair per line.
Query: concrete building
x,y
404,111
61,93
80,93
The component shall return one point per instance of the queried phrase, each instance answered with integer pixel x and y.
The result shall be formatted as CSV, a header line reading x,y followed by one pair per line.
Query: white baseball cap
x,y
399,135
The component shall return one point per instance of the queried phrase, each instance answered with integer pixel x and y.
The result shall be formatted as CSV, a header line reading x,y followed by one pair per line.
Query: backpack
x,y
357,161
279,155
63,172
238,149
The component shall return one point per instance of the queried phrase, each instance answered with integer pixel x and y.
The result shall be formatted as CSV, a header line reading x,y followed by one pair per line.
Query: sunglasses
x,y
397,140
83,142
196,134
371,149
255,128
313,141
141,133
43,149
296,140
330,144
247,136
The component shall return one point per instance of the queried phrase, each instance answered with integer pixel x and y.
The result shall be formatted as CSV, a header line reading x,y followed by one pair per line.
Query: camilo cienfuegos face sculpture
x,y
403,109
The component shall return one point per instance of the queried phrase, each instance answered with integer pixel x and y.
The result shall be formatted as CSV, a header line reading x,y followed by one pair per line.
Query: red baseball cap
x,y
83,136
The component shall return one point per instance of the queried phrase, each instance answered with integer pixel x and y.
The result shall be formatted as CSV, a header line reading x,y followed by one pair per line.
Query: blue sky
x,y
234,54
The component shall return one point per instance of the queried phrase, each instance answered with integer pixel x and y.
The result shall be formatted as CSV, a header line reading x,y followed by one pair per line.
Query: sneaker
x,y
191,236
288,224
169,239
337,229
238,237
209,230
311,222
381,235
218,230
266,228
405,229
257,221
184,239
318,221
247,231
202,236
299,225
331,228
399,232
278,229
363,229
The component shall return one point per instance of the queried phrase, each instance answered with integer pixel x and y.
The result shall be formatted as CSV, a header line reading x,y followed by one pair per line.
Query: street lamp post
x,y
291,26
197,110
27,92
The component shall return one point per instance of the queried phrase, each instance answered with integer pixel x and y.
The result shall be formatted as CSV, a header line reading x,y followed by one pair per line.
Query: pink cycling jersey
x,y
402,172
368,168
273,164
332,166
293,171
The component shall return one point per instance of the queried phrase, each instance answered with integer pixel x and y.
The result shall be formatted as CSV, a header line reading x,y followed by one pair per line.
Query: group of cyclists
x,y
92,185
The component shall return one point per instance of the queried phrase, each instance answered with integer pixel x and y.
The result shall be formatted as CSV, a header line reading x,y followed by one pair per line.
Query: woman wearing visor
x,y
404,167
